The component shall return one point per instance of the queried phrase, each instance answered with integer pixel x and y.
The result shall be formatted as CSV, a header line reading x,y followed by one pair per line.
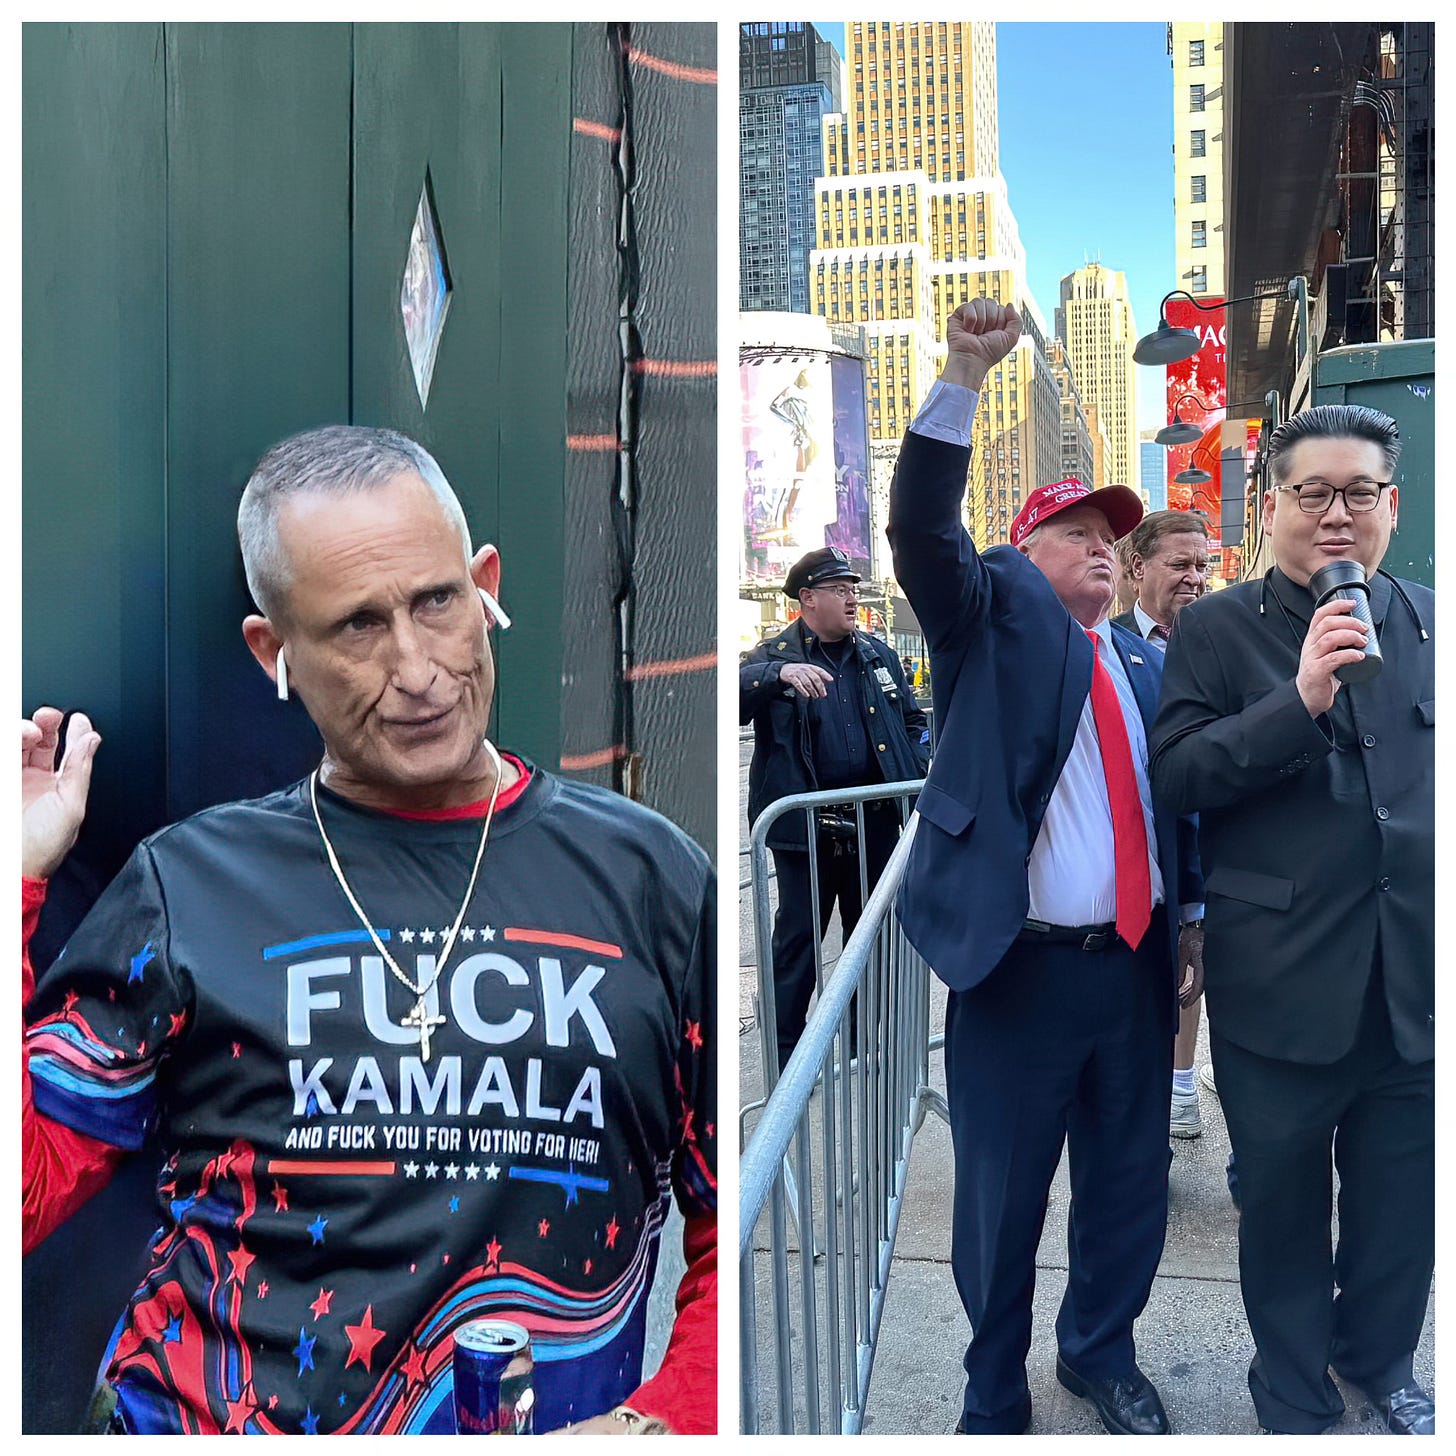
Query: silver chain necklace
x,y
419,1018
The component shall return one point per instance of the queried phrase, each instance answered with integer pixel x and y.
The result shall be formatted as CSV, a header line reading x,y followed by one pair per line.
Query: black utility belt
x,y
837,821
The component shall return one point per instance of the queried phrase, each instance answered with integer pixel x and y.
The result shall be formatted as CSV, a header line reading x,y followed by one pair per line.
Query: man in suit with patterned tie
x,y
1167,555
1041,888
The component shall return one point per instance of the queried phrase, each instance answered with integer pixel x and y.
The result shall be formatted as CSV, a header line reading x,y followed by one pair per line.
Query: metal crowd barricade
x,y
903,794
872,1079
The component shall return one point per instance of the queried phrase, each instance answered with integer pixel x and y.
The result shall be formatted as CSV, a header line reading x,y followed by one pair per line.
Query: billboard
x,y
805,462
851,528
1205,378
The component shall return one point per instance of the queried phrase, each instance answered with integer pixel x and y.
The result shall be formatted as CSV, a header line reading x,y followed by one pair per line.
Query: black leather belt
x,y
1090,937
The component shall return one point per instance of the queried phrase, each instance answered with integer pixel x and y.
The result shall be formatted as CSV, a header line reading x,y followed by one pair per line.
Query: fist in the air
x,y
978,335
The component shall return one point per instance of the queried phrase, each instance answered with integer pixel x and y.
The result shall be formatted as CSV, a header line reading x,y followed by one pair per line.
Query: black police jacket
x,y
783,757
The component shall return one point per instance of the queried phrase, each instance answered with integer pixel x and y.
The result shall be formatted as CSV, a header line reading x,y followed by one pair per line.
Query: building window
x,y
1200,280
1200,233
1200,189
1195,52
1197,144
1195,98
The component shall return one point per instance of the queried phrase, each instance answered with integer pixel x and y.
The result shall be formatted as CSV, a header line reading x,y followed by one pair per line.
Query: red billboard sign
x,y
1205,378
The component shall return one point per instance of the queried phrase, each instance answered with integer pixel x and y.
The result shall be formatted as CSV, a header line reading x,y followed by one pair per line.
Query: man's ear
x,y
264,643
1135,567
485,572
485,569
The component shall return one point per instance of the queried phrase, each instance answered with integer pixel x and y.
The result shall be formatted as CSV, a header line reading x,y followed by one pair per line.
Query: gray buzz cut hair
x,y
331,460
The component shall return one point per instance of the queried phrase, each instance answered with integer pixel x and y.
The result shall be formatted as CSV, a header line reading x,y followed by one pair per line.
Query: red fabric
x,y
61,1168
684,1392
478,809
1129,829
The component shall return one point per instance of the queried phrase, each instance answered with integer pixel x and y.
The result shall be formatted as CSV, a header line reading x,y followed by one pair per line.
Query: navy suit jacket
x,y
1010,672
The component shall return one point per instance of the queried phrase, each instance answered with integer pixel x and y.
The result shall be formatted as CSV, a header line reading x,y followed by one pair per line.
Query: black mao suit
x,y
1317,839
1046,1044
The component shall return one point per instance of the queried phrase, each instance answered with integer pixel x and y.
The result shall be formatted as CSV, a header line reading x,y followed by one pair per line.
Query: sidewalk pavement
x,y
1193,1341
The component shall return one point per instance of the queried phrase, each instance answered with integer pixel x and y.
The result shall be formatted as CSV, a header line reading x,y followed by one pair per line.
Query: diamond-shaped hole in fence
x,y
424,292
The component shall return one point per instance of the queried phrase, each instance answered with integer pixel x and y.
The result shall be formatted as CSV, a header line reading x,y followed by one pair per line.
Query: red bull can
x,y
493,1391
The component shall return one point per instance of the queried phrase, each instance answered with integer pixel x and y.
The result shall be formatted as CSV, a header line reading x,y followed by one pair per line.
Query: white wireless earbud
x,y
282,671
493,607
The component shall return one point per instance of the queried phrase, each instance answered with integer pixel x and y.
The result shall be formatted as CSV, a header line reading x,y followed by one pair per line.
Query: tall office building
x,y
912,220
1095,323
1196,48
1077,458
790,78
1153,478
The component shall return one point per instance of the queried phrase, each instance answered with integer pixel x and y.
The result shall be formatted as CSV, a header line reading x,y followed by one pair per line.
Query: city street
x,y
1193,1342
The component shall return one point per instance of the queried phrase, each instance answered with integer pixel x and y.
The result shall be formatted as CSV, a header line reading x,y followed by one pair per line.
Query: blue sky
x,y
1086,126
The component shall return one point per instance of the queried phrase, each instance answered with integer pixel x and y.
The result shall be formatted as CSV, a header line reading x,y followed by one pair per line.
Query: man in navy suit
x,y
1040,889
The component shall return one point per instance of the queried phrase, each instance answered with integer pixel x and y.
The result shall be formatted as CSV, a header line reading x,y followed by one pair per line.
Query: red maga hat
x,y
1122,507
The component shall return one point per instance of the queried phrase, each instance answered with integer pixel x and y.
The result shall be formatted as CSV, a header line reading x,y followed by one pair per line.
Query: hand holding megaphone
x,y
1341,645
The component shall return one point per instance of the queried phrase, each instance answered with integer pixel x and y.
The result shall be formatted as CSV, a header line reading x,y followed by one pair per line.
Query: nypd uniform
x,y
866,729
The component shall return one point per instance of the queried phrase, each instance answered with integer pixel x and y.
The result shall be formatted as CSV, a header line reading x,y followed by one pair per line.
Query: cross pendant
x,y
420,1020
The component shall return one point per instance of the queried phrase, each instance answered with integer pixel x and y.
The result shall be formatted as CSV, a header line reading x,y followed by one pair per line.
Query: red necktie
x,y
1129,830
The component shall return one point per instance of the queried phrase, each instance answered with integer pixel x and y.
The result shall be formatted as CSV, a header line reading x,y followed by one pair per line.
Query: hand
x,y
611,1425
978,336
52,801
806,679
1334,639
606,1425
1190,957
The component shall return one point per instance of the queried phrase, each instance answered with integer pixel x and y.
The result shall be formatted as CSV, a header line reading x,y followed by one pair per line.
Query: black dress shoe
x,y
1127,1404
1408,1411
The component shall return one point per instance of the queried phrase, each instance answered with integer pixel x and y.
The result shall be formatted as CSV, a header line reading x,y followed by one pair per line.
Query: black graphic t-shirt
x,y
334,1204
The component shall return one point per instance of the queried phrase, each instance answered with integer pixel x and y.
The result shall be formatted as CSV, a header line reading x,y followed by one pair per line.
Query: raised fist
x,y
978,335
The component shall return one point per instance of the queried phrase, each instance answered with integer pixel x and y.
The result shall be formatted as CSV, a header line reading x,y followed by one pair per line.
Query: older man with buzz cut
x,y
1040,887
426,1038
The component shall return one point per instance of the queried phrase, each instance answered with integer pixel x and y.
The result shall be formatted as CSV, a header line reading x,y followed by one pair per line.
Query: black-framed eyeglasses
x,y
1315,497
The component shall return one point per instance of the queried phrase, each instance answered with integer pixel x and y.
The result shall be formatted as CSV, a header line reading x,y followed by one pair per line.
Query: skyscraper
x,y
1153,479
1077,459
789,79
1095,323
912,220
1198,131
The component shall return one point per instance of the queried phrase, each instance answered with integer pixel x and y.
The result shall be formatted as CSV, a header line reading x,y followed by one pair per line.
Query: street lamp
x,y
1192,476
1168,344
1180,432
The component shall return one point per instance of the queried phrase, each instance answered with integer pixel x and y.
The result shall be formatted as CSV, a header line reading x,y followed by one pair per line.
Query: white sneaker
x,y
1205,1075
1184,1120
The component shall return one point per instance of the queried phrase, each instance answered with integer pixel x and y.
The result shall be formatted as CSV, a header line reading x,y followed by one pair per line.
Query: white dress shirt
x,y
1072,876
1145,626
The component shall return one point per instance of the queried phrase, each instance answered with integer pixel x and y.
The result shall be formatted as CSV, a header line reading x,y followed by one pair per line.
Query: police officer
x,y
831,709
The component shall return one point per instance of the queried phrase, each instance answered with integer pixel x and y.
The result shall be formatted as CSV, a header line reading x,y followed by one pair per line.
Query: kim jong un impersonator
x,y
1317,821
425,1038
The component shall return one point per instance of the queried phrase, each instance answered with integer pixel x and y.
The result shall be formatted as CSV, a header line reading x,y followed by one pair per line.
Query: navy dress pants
x,y
1058,1046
